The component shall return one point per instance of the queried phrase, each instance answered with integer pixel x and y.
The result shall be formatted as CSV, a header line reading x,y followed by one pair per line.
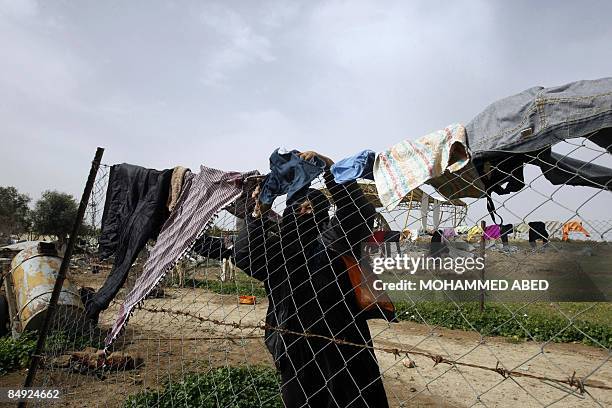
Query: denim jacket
x,y
522,129
541,117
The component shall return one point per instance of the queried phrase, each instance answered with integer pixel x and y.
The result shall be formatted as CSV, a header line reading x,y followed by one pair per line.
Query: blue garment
x,y
289,174
540,117
522,128
358,166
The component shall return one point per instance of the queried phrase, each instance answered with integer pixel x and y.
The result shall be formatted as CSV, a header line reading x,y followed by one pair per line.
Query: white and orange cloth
x,y
573,226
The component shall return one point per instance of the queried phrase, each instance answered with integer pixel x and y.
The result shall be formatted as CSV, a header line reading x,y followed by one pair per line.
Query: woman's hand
x,y
307,155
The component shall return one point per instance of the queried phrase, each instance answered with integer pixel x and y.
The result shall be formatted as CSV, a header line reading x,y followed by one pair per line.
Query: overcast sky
x,y
162,83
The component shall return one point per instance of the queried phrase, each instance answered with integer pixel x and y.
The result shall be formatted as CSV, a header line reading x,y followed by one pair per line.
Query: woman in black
x,y
309,291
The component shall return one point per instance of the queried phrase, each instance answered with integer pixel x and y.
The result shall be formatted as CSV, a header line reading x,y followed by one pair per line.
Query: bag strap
x,y
492,210
504,169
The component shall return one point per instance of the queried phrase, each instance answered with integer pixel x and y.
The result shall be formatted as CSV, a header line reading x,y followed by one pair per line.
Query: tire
x,y
4,317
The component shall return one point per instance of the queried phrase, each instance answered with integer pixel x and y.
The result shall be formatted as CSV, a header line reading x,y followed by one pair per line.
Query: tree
x,y
54,214
14,211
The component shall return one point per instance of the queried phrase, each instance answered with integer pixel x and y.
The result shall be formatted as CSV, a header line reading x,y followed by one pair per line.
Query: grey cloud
x,y
161,83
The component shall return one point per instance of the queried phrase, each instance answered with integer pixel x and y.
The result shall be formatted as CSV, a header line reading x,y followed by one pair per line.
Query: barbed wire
x,y
572,381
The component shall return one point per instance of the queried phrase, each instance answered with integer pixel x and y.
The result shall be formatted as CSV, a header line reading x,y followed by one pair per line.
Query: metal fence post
x,y
61,275
483,225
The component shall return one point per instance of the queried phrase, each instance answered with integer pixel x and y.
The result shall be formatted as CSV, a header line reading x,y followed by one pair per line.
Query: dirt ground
x,y
173,345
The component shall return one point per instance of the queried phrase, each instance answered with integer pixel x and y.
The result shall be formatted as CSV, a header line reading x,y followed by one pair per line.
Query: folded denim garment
x,y
289,174
540,117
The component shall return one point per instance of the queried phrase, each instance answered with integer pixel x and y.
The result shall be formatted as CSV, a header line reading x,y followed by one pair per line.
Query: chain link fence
x,y
199,338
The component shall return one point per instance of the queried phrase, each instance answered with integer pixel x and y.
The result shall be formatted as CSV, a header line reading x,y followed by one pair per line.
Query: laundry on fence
x,y
208,192
504,231
537,231
449,232
573,226
354,167
522,129
521,228
538,118
474,231
409,164
176,185
492,232
289,174
553,228
462,229
486,156
134,211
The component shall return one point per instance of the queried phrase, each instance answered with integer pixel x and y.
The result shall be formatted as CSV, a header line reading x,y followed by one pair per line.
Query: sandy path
x,y
173,345
425,384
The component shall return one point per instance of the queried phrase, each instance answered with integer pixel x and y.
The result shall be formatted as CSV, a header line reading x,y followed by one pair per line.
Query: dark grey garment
x,y
559,169
134,212
537,230
503,173
540,117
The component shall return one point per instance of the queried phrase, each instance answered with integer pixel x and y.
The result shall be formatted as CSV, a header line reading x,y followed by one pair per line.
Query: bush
x,y
236,387
15,353
60,341
230,288
497,320
240,286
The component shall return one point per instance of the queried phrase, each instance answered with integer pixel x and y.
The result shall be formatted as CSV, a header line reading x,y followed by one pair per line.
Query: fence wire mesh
x,y
196,340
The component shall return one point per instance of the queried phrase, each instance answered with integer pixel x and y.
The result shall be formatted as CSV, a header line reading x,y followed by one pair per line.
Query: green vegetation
x,y
540,321
237,287
14,212
592,322
243,285
236,387
54,214
15,352
61,341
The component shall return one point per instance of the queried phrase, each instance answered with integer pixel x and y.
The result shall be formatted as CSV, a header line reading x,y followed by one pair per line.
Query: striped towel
x,y
409,164
202,197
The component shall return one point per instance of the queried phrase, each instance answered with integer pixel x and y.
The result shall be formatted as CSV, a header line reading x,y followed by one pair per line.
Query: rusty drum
x,y
33,274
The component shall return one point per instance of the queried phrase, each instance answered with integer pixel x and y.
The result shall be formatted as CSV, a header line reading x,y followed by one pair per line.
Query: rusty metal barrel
x,y
33,274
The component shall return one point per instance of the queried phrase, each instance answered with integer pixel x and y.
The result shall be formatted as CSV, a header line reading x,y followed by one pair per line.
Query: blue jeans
x,y
541,117
522,128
